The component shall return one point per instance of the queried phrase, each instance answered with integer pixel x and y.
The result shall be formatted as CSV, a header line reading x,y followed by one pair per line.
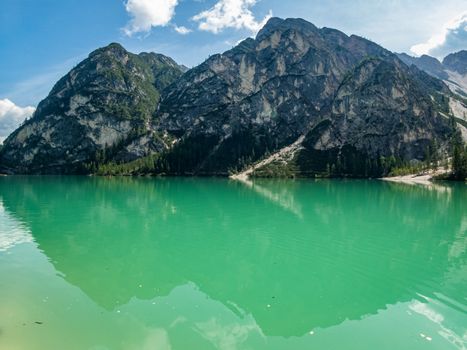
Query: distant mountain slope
x,y
345,103
453,69
456,62
426,63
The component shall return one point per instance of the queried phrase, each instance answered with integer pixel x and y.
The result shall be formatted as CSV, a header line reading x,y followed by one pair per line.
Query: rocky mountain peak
x,y
275,24
104,103
457,62
268,92
338,99
113,49
453,69
429,64
153,58
430,60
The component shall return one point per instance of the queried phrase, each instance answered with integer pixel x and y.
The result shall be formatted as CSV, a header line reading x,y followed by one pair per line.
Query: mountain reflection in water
x,y
240,262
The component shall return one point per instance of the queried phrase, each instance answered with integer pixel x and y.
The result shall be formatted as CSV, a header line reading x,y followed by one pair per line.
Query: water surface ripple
x,y
127,263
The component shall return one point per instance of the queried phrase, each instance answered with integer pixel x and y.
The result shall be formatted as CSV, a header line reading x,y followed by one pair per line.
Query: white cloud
x,y
11,116
455,27
182,30
230,14
147,14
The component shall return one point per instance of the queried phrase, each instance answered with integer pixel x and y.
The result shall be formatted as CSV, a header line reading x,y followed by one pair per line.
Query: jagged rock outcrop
x,y
453,69
102,108
429,64
456,62
266,93
380,112
346,99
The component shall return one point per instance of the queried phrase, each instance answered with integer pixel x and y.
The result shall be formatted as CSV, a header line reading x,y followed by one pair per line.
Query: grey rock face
x,y
453,69
265,93
339,94
426,63
107,100
378,111
457,62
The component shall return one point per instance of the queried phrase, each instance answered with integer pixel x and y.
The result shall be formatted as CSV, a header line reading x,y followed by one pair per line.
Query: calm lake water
x,y
124,263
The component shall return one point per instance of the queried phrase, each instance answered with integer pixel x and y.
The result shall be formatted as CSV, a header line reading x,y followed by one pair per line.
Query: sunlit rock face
x,y
237,107
267,92
104,102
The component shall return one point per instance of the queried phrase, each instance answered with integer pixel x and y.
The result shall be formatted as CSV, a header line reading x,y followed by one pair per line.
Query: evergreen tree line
x,y
459,157
103,159
192,156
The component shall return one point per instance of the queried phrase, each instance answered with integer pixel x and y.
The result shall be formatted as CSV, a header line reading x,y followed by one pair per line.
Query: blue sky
x,y
42,40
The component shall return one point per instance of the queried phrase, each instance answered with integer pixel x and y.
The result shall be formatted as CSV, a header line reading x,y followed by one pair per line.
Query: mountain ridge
x,y
452,70
352,102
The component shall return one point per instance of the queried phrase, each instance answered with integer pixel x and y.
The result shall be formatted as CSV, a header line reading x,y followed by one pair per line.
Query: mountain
x,y
302,100
456,62
453,69
105,103
426,63
453,72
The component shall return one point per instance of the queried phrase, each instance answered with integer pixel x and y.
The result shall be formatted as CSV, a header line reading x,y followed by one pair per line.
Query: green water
x,y
123,263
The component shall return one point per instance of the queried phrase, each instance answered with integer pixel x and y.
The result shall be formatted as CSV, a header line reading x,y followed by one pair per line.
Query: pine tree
x,y
459,158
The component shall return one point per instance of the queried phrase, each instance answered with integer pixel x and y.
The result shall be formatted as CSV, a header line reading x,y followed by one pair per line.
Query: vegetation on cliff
x,y
356,108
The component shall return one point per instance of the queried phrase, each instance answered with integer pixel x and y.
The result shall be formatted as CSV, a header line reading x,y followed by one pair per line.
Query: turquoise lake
x,y
159,263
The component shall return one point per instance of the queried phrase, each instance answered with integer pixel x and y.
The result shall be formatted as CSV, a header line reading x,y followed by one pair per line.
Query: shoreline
x,y
411,179
426,178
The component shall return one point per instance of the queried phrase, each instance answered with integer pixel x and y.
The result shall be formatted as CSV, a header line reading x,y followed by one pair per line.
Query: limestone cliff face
x,y
453,71
343,97
106,101
379,112
266,93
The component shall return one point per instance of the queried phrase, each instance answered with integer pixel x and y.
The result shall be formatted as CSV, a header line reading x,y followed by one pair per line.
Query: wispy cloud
x,y
11,116
451,37
147,14
182,30
230,14
35,88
